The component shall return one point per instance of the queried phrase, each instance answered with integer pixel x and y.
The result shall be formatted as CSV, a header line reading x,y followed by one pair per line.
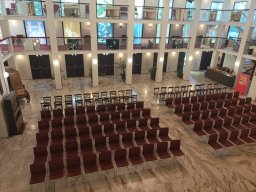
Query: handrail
x,y
150,7
113,5
182,8
13,37
71,3
4,39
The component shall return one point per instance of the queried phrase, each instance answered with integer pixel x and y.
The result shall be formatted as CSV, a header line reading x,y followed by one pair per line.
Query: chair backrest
x,y
131,123
148,149
162,146
212,138
134,152
127,137
154,121
37,168
73,162
100,140
120,154
89,158
114,138
105,156
71,145
175,144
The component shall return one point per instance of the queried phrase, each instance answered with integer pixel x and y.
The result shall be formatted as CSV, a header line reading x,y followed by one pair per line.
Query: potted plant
x,y
152,72
122,66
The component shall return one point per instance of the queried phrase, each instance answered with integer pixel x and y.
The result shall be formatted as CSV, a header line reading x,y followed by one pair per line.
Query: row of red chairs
x,y
106,160
100,143
237,137
94,131
225,124
192,117
81,110
170,102
179,109
93,119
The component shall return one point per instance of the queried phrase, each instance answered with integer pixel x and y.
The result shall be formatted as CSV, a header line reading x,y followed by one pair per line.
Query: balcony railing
x,y
210,15
5,47
235,15
30,44
74,43
250,48
24,8
68,9
181,14
231,44
146,42
112,43
148,12
112,11
254,18
206,42
177,43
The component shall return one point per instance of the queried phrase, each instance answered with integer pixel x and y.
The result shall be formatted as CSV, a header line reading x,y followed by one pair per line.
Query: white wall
x,y
17,27
147,62
176,30
23,66
172,62
229,61
196,61
149,31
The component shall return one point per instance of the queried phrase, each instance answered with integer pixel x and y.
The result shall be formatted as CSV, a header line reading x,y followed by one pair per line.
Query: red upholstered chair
x,y
195,107
253,119
241,101
105,160
101,144
40,154
213,141
253,134
90,163
228,124
109,129
177,101
193,99
43,126
196,116
218,125
130,106
114,142
104,118
84,133
169,102
56,124
56,168
96,131
71,149
120,127
236,123
46,114
175,148
245,122
148,152
81,122
152,136
74,166
90,109
231,112
111,107
139,105
127,140
164,134
214,114
146,113
57,136
69,112
205,115
80,110
126,115
244,136
178,110
38,172
86,146
42,139
136,114
223,139
69,122
198,128
57,113
154,123
120,158
134,155
211,105
208,127
234,138
248,110
101,108
186,118
120,107
56,151
93,119
115,117
162,150
140,138
143,124
131,125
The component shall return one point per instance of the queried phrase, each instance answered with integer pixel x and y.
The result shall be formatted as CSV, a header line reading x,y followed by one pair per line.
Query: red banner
x,y
242,83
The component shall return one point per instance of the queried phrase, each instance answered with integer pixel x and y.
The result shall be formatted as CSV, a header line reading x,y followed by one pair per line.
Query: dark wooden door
x,y
106,64
74,65
40,66
205,60
180,65
136,66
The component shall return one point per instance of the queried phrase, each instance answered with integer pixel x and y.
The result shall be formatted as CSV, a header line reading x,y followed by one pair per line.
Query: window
x,y
240,5
186,30
158,33
138,28
170,10
139,8
35,29
71,29
101,8
168,33
104,30
190,3
217,6
234,32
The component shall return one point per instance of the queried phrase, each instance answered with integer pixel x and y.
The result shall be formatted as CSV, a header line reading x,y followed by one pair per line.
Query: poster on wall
x,y
71,29
242,83
35,29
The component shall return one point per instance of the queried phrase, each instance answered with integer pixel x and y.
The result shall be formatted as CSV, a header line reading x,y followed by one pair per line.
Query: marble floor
x,y
200,169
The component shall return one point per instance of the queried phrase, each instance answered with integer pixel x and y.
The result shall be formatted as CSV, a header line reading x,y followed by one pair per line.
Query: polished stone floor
x,y
200,169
